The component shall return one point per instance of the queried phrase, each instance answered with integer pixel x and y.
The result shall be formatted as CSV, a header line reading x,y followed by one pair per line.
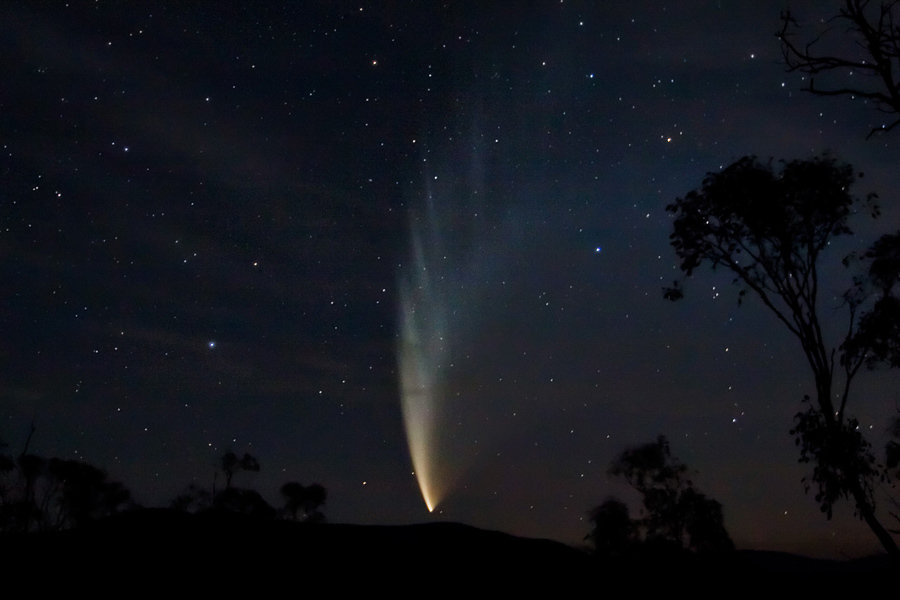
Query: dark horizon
x,y
208,216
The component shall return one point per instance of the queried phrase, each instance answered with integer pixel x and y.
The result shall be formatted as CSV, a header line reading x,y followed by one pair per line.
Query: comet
x,y
455,246
422,353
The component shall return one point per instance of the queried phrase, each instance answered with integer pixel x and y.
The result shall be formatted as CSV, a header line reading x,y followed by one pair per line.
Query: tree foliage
x,y
858,54
770,228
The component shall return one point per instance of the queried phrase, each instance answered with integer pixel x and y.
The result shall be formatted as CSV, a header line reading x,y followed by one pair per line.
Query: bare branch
x,y
874,33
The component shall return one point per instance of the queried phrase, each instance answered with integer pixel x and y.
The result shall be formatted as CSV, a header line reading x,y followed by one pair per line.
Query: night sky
x,y
208,213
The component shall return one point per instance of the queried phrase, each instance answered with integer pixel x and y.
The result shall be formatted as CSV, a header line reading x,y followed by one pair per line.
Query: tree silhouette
x,y
7,466
294,496
193,499
231,464
243,501
892,462
315,499
53,494
868,44
704,522
81,493
301,502
650,470
870,65
7,490
877,338
614,533
307,499
26,507
769,229
675,514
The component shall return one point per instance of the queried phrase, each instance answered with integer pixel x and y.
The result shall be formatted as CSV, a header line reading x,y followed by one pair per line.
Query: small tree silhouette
x,y
231,464
892,449
81,493
294,497
704,522
302,498
26,508
7,490
243,501
315,498
892,462
614,533
193,499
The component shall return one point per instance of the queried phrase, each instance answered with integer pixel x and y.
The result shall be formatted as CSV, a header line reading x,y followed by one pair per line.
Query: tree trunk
x,y
868,515
860,498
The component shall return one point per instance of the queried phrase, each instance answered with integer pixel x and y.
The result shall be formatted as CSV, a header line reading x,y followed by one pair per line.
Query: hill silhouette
x,y
201,546
220,551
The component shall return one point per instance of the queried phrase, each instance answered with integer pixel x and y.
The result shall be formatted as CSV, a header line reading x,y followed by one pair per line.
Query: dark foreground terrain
x,y
212,553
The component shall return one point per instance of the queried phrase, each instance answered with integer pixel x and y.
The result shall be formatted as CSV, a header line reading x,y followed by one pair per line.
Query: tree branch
x,y
878,38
